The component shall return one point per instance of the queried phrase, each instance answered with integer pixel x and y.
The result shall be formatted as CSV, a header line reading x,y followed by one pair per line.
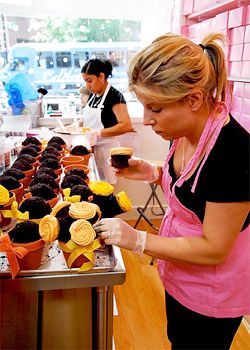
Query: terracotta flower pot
x,y
31,172
33,259
58,171
78,262
86,158
52,202
73,160
18,192
85,168
25,181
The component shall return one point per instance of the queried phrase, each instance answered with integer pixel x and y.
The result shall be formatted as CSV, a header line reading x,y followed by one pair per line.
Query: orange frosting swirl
x,y
82,232
84,210
49,228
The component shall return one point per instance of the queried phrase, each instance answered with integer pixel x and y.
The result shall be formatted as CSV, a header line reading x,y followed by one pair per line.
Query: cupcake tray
x,y
53,262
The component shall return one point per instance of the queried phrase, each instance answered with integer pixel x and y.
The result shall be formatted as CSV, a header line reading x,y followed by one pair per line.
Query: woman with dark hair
x,y
105,111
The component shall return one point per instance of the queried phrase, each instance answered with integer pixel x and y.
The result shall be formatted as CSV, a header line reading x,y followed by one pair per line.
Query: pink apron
x,y
217,291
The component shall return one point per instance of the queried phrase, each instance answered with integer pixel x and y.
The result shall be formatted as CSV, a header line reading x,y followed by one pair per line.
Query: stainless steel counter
x,y
64,310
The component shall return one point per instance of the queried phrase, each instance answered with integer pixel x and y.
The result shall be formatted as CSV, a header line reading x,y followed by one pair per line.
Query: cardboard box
x,y
221,21
237,17
247,35
235,52
236,104
237,35
245,71
246,52
238,89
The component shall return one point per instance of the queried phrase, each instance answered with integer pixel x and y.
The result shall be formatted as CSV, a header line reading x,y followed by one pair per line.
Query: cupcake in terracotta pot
x,y
80,242
6,199
37,207
47,179
23,246
12,185
42,190
32,140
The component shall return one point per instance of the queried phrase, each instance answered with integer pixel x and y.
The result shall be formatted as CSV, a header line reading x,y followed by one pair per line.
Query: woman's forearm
x,y
116,130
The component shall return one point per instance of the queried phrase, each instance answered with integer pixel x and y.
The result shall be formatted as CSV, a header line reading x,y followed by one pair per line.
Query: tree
x,y
68,29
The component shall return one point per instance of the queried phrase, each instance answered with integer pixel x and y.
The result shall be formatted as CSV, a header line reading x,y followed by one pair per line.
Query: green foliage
x,y
69,29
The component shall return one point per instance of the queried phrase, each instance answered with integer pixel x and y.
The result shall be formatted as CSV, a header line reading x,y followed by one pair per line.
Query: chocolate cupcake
x,y
31,141
78,172
102,192
51,163
48,155
61,212
29,150
53,150
83,191
9,182
28,158
25,232
46,170
79,150
57,139
70,181
45,178
120,156
21,164
116,205
36,206
42,190
55,145
16,173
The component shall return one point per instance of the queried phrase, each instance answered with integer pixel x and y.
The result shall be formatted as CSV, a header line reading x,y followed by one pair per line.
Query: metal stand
x,y
153,196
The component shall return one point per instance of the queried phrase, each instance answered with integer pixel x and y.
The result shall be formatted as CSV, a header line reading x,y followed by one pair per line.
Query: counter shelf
x,y
38,307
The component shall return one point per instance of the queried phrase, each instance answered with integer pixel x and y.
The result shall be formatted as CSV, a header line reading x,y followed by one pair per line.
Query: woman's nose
x,y
147,118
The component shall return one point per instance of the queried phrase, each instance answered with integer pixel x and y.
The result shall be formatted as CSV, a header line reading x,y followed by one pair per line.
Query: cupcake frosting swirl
x,y
49,228
123,201
82,232
126,151
101,188
84,210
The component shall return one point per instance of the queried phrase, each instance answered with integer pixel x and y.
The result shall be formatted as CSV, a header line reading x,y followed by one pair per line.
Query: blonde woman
x,y
204,239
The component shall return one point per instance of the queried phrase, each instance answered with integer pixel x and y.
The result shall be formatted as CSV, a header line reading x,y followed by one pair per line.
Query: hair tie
x,y
202,46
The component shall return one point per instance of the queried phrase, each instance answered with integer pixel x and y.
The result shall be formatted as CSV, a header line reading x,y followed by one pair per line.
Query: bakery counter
x,y
59,308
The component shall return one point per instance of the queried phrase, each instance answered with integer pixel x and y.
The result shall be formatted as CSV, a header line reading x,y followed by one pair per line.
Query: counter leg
x,y
103,317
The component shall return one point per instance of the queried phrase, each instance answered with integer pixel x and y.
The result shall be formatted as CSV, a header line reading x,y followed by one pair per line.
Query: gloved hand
x,y
118,232
139,169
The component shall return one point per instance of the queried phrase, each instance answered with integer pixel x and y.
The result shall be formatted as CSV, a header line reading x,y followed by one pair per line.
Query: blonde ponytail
x,y
172,66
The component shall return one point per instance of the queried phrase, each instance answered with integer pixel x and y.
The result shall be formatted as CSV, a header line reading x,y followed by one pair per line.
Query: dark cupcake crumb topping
x,y
36,206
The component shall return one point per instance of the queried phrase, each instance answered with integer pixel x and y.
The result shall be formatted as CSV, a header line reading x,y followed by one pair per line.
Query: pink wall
x,y
233,20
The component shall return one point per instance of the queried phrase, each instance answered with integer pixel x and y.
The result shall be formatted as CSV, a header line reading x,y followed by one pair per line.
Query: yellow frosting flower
x,y
123,201
84,210
49,228
4,195
82,232
101,188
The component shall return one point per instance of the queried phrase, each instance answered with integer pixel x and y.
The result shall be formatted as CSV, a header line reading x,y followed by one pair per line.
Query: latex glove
x,y
118,232
139,169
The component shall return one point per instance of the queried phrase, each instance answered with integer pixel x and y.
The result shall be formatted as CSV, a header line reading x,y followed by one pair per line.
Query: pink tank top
x,y
218,291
